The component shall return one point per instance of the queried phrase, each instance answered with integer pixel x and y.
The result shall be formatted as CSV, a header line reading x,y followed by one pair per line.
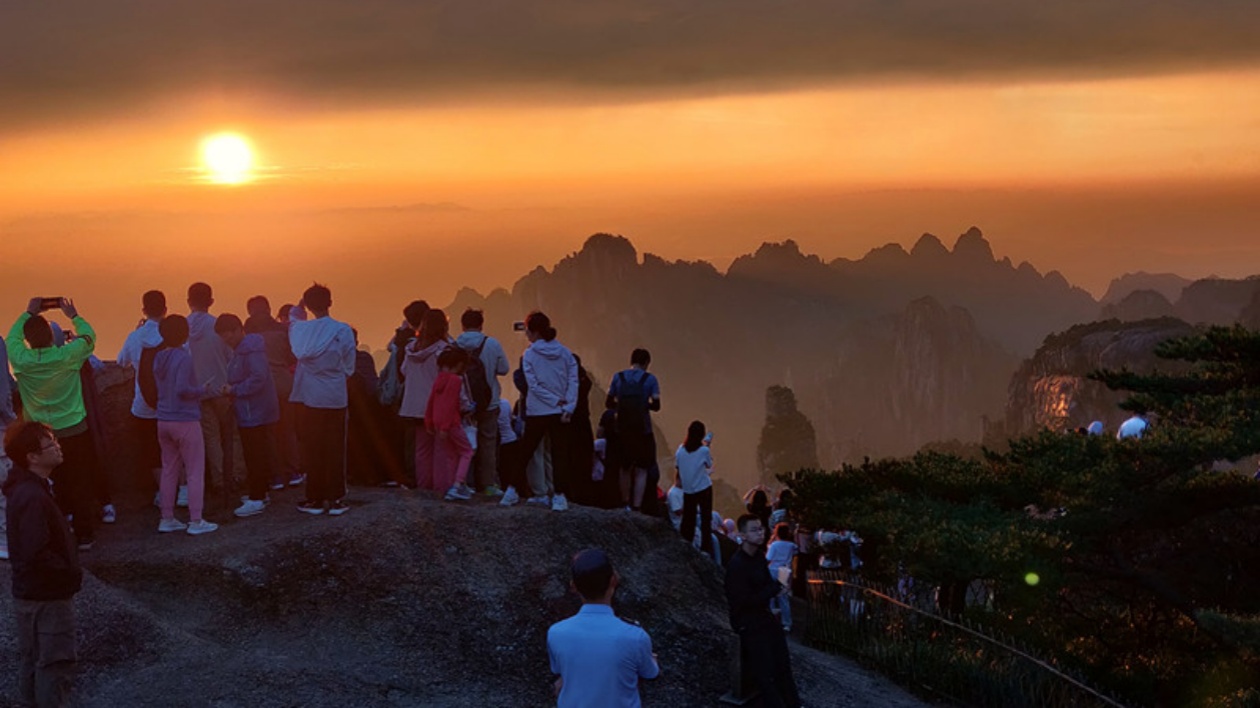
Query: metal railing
x,y
952,659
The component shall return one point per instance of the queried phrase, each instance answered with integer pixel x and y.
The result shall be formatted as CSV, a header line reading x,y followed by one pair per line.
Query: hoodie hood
x,y
16,477
470,340
251,344
552,350
428,352
311,338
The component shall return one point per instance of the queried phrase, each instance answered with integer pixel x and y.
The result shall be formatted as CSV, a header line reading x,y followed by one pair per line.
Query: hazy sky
x,y
406,148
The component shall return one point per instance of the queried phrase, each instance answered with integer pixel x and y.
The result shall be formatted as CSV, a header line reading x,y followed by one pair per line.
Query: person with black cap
x,y
598,657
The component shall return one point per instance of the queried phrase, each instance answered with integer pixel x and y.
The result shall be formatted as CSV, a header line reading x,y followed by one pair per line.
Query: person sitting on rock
x,y
598,657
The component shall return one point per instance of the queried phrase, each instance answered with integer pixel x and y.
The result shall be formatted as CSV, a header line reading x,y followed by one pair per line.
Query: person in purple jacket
x,y
253,394
170,386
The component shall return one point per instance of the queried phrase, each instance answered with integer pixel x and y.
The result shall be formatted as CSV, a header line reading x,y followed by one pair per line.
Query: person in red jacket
x,y
444,417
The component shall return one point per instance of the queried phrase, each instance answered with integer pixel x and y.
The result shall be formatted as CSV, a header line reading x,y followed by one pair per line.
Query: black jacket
x,y
42,551
749,590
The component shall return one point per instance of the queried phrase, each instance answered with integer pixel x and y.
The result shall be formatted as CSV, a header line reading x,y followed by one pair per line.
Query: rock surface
x,y
404,601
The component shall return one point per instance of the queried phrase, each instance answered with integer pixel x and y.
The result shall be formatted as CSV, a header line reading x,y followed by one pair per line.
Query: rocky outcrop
x,y
1169,285
1138,305
787,441
1051,390
1216,301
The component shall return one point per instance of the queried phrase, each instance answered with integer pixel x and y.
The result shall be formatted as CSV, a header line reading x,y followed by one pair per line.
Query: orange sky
x,y
1091,171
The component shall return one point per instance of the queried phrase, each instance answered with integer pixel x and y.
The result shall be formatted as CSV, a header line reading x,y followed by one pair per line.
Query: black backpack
x,y
146,377
632,404
475,376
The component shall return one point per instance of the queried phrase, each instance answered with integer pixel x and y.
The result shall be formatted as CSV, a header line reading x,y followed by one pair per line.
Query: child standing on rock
x,y
444,415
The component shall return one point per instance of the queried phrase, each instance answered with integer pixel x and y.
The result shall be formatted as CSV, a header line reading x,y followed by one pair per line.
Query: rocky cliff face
x,y
1051,390
787,439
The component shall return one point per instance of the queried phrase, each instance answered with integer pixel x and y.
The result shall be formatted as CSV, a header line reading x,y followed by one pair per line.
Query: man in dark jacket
x,y
749,589
46,573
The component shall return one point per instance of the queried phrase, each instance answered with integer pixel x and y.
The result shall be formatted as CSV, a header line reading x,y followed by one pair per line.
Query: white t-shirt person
x,y
1134,427
694,468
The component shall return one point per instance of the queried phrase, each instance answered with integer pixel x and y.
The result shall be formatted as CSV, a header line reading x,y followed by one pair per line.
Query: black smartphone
x,y
49,303
518,326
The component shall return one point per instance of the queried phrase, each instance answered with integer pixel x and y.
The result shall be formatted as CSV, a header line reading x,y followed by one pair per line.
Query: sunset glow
x,y
228,158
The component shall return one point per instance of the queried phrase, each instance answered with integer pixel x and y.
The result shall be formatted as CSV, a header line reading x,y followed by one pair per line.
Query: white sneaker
x,y
181,500
510,497
465,491
453,494
539,501
559,503
197,528
250,507
171,524
108,514
265,500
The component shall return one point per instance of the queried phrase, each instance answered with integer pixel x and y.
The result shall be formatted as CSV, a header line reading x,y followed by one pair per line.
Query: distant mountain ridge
x,y
885,353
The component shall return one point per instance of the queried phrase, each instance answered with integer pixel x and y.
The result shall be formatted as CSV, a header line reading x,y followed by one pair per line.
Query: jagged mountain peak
x,y
610,247
928,246
973,246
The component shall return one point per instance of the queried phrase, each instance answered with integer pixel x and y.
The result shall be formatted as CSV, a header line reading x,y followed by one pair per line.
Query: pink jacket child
x,y
443,417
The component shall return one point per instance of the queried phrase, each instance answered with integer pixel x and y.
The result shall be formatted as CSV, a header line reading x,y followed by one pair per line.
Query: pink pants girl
x,y
453,455
183,449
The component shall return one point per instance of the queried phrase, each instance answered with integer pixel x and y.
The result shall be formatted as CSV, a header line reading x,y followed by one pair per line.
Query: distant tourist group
x,y
307,406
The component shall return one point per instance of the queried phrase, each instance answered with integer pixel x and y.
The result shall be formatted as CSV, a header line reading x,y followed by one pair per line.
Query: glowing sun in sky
x,y
227,158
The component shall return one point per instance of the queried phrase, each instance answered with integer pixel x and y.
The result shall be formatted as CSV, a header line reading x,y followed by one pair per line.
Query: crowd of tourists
x,y
310,410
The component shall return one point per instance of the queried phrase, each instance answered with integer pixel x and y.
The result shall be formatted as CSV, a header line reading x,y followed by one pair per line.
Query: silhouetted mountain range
x,y
884,353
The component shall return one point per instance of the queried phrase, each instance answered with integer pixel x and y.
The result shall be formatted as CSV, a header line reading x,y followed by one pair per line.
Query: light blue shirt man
x,y
599,657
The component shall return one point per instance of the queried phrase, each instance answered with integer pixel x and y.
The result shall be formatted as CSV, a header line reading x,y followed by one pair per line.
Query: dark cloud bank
x,y
65,60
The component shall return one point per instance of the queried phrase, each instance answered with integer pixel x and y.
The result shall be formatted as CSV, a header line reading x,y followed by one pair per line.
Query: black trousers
x,y
322,442
703,500
72,483
258,444
766,662
538,427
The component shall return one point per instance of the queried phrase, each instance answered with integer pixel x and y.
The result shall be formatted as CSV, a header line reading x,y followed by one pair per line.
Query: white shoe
x,y
250,507
197,528
171,524
181,499
453,494
108,514
465,491
265,500
539,501
559,503
510,497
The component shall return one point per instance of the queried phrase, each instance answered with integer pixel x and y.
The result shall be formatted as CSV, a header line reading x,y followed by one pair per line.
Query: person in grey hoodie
x,y
210,356
551,375
253,394
495,363
419,371
324,349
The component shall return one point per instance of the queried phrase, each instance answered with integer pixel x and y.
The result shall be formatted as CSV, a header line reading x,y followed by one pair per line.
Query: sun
x,y
228,158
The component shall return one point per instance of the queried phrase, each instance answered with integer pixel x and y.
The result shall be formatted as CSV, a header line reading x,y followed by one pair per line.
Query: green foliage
x,y
1133,540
